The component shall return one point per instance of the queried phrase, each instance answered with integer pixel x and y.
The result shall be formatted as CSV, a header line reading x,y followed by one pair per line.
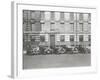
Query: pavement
x,y
56,61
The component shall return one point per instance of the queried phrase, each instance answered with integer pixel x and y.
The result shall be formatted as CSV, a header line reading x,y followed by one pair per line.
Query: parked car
x,y
48,50
61,50
88,49
42,48
75,50
81,49
36,50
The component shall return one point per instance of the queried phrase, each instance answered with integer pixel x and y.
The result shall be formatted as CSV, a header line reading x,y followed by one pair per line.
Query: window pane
x,y
67,16
33,38
36,26
42,15
89,37
85,37
85,17
26,37
81,27
33,27
42,27
57,37
71,16
29,15
81,38
71,26
24,26
42,38
37,15
25,14
62,15
62,38
89,16
47,15
71,37
86,27
57,16
81,16
32,14
28,26
52,27
52,15
89,27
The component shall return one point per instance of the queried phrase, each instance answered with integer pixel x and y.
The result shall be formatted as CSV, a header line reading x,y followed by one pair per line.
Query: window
x,y
33,27
42,15
67,16
89,37
52,27
37,38
71,37
72,26
62,27
81,38
81,16
37,15
57,16
81,27
71,16
52,15
26,37
36,26
28,15
62,15
28,26
85,17
42,38
62,38
86,27
89,16
47,15
89,27
32,14
25,14
24,26
42,27
33,38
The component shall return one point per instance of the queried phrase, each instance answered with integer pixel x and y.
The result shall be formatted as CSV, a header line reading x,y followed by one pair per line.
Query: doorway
x,y
52,40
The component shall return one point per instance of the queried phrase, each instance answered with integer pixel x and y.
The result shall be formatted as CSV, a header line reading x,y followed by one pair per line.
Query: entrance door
x,y
52,40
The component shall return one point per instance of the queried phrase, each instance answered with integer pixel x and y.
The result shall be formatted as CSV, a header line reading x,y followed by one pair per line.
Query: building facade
x,y
52,28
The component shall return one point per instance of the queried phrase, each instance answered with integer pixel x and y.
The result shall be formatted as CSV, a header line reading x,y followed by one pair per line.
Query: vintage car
x,y
88,49
61,50
36,50
75,50
48,50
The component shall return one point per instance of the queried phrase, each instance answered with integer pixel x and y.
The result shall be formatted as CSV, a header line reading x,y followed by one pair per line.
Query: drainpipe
x,y
76,29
